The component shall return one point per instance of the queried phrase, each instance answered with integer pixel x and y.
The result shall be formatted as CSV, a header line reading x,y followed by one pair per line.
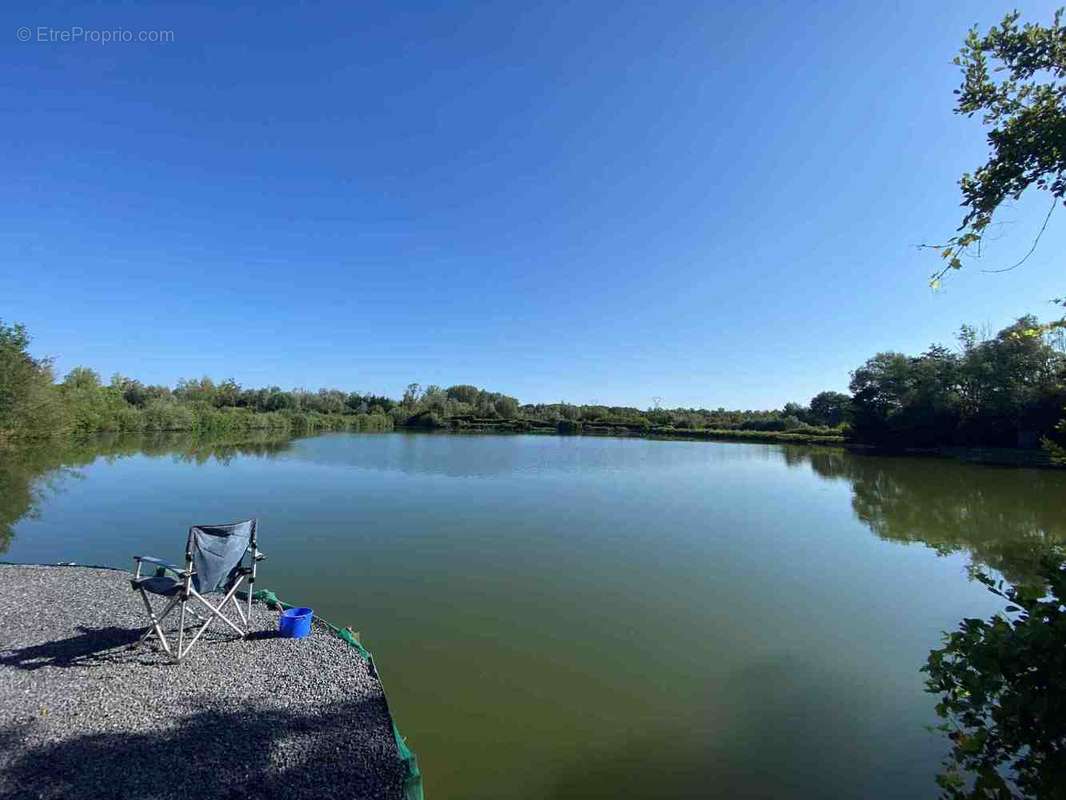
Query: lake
x,y
579,617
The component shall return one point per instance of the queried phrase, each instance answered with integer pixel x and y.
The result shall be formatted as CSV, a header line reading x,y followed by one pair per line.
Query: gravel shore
x,y
82,715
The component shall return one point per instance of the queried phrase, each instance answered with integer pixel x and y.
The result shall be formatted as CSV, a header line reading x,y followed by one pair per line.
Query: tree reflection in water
x,y
30,471
1005,518
1001,682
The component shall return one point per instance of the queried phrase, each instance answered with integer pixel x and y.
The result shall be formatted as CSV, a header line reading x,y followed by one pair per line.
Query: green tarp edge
x,y
412,784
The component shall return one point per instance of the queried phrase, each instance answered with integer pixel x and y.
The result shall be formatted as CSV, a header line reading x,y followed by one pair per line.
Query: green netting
x,y
412,774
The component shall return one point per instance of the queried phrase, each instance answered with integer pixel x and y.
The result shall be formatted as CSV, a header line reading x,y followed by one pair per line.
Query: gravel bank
x,y
84,716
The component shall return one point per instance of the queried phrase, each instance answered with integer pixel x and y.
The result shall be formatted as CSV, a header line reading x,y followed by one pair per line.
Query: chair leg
x,y
181,627
251,582
240,611
156,626
215,611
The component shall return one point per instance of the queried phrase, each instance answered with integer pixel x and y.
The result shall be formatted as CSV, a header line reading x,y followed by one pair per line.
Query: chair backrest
x,y
216,552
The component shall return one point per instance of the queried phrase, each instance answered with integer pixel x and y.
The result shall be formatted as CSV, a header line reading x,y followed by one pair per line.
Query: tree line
x,y
1006,390
1003,390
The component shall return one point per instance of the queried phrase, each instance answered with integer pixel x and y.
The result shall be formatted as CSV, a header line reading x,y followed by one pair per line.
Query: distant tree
x,y
278,400
878,390
227,393
464,393
255,399
506,407
380,401
132,391
412,394
485,407
28,402
329,401
434,399
796,412
356,402
999,391
191,390
82,378
830,408
570,412
89,406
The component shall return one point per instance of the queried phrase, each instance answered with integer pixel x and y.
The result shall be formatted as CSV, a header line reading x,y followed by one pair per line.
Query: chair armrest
x,y
165,565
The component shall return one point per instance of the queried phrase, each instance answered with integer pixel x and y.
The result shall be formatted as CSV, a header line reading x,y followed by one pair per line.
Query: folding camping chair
x,y
218,559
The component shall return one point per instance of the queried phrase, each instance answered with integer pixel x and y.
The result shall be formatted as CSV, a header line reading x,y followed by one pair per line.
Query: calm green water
x,y
582,617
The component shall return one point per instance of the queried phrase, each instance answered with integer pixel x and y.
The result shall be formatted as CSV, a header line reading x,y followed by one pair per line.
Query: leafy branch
x,y
1015,77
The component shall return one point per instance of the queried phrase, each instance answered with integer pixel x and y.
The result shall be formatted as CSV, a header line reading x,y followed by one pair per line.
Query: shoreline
x,y
989,456
1035,458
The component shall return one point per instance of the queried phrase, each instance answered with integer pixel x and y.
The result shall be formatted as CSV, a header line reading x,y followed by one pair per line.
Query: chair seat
x,y
161,585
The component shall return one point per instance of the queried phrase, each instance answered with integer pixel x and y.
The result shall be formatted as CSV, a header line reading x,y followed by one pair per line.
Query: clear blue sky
x,y
715,203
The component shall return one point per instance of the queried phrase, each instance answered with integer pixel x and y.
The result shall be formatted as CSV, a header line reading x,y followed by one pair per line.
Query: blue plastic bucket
x,y
295,623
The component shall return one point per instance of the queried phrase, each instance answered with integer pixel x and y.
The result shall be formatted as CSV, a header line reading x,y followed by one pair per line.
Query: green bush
x,y
129,419
168,415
